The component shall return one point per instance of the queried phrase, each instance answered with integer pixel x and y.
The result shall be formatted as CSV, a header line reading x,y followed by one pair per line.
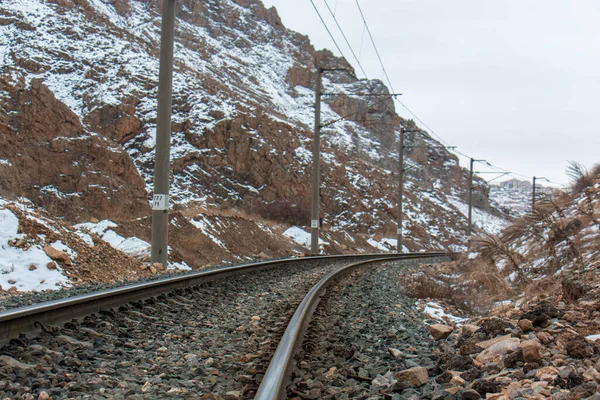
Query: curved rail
x,y
22,319
275,379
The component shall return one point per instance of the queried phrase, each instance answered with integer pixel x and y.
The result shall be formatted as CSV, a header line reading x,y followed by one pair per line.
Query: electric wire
x,y
345,38
328,31
385,75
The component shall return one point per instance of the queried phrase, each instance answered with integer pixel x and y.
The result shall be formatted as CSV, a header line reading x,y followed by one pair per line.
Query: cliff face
x,y
78,81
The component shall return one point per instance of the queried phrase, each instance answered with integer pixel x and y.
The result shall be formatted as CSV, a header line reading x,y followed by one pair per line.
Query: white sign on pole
x,y
314,223
160,202
399,231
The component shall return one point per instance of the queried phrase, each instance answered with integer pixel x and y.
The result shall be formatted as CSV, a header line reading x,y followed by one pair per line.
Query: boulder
x,y
414,377
579,347
470,328
489,343
526,325
439,331
57,255
498,350
531,351
541,315
545,337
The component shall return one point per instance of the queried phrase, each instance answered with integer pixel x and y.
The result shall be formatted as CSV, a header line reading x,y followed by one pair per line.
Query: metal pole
x,y
314,220
160,200
533,195
470,228
400,189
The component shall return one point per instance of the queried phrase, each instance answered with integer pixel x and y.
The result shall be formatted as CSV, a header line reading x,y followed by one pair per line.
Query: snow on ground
x,y
481,219
131,246
208,229
301,237
435,311
385,244
25,269
516,201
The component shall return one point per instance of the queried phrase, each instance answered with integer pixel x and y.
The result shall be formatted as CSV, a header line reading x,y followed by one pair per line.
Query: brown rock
x,y
545,337
44,396
579,347
488,343
57,255
495,396
158,267
439,331
573,316
498,350
526,325
457,380
51,266
470,328
531,351
414,377
397,354
32,267
547,374
233,395
454,390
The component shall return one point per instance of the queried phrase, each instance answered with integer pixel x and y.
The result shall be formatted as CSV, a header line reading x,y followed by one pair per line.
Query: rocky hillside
x,y
537,284
78,89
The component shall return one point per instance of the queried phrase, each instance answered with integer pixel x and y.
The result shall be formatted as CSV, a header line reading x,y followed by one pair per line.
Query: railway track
x,y
189,336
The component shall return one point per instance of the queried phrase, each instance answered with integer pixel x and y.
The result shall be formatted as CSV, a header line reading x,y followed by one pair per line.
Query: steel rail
x,y
22,319
273,385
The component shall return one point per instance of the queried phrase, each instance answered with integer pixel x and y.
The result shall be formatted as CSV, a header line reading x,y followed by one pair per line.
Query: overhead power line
x,y
345,38
374,46
387,78
328,31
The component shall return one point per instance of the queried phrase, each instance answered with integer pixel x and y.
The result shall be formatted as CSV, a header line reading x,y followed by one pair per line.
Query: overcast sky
x,y
515,82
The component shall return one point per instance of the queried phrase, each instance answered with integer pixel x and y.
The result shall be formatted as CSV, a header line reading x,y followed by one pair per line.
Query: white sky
x,y
515,82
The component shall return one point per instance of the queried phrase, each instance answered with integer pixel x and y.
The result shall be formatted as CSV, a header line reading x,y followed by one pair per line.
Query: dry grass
x,y
559,234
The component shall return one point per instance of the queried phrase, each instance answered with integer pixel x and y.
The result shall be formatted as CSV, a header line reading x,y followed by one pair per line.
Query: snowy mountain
x,y
78,83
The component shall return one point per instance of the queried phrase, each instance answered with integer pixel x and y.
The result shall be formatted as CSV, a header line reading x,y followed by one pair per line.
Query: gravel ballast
x,y
365,331
213,341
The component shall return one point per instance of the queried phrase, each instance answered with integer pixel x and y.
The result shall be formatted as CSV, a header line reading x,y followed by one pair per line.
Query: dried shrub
x,y
292,213
573,290
473,287
580,177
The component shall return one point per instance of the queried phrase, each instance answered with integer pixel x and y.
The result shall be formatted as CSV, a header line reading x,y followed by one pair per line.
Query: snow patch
x,y
301,237
17,265
132,246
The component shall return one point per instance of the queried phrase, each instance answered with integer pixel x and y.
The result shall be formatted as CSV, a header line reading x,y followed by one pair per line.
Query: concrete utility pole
x,y
400,189
470,218
314,219
162,170
533,195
